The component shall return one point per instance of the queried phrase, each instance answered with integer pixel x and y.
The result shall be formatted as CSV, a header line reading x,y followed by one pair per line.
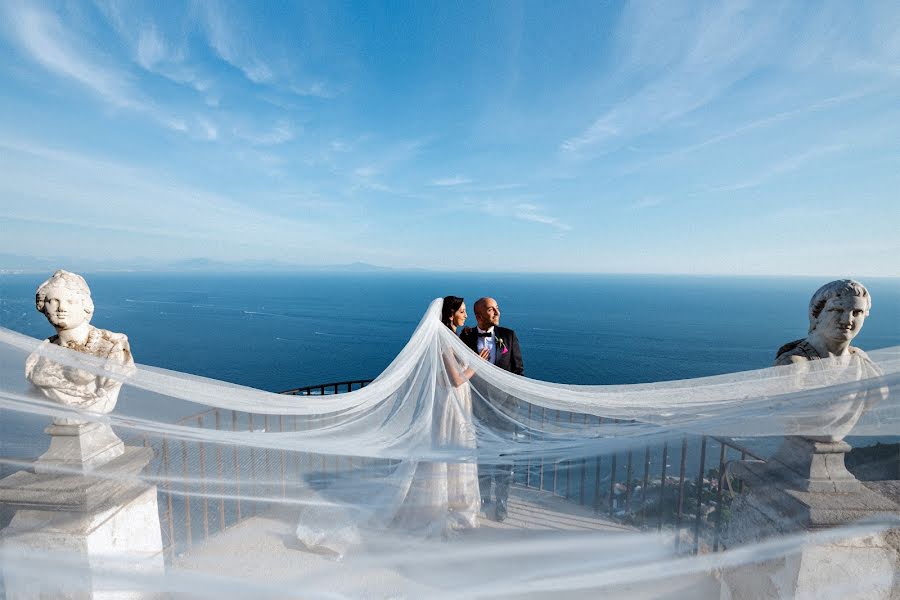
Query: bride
x,y
444,495
427,498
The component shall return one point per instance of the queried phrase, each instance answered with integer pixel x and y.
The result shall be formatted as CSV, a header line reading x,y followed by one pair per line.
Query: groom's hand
x,y
485,353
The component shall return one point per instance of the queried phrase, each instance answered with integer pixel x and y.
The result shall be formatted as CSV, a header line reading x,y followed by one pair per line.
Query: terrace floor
x,y
263,548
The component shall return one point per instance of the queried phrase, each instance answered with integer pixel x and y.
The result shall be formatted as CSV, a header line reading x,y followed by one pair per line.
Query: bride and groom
x,y
470,485
455,413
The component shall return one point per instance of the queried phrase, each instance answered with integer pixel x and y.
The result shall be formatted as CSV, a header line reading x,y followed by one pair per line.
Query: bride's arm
x,y
458,373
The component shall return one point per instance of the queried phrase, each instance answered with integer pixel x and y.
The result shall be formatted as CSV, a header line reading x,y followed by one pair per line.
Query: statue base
x,y
100,528
806,487
79,447
813,466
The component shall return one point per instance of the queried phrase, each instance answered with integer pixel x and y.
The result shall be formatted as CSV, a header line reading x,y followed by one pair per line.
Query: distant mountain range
x,y
11,263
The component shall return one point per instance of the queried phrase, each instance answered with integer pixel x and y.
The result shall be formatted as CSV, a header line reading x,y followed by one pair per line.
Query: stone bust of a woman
x,y
65,300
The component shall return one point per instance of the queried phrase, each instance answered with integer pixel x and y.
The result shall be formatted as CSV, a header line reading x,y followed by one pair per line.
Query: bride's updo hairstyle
x,y
451,305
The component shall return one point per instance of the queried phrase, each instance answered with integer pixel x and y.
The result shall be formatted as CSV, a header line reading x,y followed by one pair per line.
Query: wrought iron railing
x,y
636,486
329,388
179,503
621,486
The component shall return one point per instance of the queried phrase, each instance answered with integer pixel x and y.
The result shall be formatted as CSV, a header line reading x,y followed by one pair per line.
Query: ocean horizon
x,y
276,331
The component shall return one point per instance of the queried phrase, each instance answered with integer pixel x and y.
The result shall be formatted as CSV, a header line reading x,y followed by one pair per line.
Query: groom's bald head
x,y
487,313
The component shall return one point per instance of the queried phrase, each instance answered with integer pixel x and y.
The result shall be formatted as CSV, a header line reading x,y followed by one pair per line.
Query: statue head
x,y
841,305
65,299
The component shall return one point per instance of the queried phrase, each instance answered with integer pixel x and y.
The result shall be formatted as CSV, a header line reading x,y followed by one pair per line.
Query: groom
x,y
503,350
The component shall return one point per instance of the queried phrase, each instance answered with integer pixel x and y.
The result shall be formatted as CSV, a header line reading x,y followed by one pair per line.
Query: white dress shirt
x,y
489,343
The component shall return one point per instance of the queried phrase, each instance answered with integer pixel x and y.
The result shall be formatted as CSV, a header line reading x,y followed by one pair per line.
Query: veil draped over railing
x,y
375,492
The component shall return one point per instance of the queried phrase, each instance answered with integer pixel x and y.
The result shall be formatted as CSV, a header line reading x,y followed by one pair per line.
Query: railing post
x,y
187,496
697,521
719,507
169,511
612,483
680,494
628,473
662,484
221,472
254,505
203,483
528,460
644,484
237,470
583,469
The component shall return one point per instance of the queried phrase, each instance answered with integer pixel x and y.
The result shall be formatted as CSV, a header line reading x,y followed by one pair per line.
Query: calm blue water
x,y
276,332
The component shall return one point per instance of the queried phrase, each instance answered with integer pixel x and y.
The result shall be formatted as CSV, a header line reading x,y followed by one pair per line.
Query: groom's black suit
x,y
496,410
510,361
502,406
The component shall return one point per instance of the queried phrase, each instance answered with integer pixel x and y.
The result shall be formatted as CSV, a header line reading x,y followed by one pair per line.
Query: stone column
x,y
805,487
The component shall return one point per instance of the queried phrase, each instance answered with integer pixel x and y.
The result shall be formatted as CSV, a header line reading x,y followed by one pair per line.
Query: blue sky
x,y
646,137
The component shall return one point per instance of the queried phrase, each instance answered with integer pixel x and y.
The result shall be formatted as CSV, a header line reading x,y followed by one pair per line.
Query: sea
x,y
276,331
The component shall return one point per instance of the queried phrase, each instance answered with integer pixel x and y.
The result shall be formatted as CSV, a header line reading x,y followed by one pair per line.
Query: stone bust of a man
x,y
65,300
837,312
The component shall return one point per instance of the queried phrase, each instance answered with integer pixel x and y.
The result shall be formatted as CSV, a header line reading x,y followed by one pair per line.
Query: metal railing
x,y
329,388
638,487
635,487
220,509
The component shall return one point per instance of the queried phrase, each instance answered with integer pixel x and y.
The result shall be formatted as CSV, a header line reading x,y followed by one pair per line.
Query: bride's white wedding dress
x,y
424,498
444,496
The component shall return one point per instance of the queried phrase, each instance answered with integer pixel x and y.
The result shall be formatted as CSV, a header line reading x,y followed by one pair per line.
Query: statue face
x,y
842,318
64,308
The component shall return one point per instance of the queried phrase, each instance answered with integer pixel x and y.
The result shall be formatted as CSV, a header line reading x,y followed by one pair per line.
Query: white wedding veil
x,y
619,488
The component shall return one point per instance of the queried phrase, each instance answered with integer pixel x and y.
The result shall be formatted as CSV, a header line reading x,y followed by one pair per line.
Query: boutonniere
x,y
502,345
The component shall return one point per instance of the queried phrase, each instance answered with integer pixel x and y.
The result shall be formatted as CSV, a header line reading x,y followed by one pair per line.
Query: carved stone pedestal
x,y
80,529
805,487
79,447
813,466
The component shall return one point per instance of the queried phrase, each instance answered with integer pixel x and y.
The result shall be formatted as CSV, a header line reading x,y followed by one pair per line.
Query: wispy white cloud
x,y
803,213
367,171
231,47
646,202
42,37
210,131
714,47
280,133
315,89
151,48
516,209
381,162
87,191
678,58
788,164
339,146
498,187
451,181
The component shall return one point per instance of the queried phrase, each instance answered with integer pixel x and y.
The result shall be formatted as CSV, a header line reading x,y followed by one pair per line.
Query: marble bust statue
x,y
65,300
837,312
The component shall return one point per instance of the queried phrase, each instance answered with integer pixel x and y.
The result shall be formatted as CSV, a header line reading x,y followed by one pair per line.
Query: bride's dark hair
x,y
451,305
